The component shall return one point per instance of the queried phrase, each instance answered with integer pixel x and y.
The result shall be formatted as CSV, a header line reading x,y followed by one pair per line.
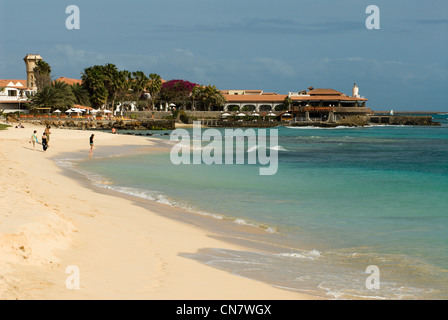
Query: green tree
x,y
287,103
64,97
58,95
211,97
93,81
124,92
112,83
139,83
42,74
81,94
43,99
195,95
154,87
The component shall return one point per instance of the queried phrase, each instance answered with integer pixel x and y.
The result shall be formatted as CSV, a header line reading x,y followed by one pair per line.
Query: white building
x,y
14,94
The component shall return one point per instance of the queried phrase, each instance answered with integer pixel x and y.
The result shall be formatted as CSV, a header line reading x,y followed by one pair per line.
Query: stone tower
x,y
30,62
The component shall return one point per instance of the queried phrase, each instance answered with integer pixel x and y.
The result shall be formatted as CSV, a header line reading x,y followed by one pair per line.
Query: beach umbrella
x,y
271,114
286,114
225,115
69,111
255,114
241,115
57,111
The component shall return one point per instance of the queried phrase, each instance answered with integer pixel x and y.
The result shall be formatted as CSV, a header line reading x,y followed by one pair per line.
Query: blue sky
x,y
276,46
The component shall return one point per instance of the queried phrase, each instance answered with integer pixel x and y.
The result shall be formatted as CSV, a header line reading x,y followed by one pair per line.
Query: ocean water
x,y
343,199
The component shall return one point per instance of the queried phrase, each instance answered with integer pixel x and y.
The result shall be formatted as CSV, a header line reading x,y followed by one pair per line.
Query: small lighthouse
x,y
355,91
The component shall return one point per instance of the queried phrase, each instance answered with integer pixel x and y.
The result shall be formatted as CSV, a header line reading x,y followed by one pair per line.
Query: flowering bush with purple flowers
x,y
177,91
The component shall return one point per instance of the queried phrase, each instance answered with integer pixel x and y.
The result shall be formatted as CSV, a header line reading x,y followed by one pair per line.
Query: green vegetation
x,y
287,103
210,97
106,85
82,96
58,95
42,74
4,126
155,84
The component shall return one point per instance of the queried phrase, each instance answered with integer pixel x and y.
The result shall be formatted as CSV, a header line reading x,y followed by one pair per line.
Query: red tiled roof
x,y
5,82
316,92
327,98
82,107
69,81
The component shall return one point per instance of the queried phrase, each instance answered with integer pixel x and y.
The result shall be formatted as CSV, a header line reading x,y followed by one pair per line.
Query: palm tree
x,y
155,84
210,97
140,83
112,82
195,94
56,96
287,103
93,82
43,99
81,94
42,74
63,95
124,81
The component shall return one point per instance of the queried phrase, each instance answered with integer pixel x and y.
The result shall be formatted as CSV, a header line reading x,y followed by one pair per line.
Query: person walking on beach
x,y
91,145
47,132
44,142
34,139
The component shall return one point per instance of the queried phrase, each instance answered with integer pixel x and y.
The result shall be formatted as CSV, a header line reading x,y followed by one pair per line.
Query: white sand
x,y
49,222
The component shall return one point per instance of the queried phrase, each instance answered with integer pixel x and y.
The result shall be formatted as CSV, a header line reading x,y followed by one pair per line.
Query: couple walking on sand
x,y
45,139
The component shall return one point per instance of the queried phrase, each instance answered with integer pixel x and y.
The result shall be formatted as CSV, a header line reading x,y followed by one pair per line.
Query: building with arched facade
x,y
313,105
252,100
327,105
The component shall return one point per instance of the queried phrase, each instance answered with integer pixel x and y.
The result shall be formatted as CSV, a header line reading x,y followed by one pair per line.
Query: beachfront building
x,y
14,95
327,105
252,101
313,105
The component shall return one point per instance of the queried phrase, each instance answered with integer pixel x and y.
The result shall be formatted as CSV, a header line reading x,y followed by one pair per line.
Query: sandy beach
x,y
49,222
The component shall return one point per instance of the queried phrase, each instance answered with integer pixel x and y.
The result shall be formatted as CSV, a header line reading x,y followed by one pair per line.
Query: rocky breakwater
x,y
85,124
413,121
403,120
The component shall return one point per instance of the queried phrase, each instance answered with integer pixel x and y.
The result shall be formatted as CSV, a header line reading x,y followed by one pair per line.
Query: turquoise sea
x,y
343,199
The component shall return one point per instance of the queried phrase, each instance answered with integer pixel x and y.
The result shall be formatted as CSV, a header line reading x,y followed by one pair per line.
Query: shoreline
x,y
123,251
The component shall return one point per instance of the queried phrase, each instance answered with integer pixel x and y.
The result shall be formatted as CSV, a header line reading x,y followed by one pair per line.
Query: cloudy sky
x,y
272,45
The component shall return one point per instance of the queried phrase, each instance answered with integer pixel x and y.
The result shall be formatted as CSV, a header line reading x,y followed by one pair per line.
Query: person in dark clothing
x,y
44,142
91,144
